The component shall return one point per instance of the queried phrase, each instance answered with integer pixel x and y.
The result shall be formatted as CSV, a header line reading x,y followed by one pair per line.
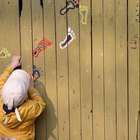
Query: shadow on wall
x,y
47,121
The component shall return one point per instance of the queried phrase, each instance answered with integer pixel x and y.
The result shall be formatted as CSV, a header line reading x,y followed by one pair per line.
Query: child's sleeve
x,y
4,76
39,104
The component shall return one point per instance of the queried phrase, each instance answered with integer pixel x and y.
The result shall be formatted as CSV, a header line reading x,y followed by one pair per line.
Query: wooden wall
x,y
92,86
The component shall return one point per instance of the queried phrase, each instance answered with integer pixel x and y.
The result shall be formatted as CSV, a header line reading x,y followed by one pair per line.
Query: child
x,y
20,103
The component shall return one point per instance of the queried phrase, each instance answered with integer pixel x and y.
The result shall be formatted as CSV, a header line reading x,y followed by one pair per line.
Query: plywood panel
x,y
50,69
90,84
26,36
85,73
37,33
109,70
133,67
9,31
62,73
121,70
74,75
97,69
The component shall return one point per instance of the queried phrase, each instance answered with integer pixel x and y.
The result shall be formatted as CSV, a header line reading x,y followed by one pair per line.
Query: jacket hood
x,y
10,120
14,91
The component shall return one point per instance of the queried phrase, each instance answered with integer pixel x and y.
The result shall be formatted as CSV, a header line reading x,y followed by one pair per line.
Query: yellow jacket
x,y
29,111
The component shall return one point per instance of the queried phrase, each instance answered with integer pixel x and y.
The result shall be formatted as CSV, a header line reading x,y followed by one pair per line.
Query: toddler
x,y
20,103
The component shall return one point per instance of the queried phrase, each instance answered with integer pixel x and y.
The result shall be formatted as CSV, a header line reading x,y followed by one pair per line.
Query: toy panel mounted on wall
x,y
68,39
70,5
4,53
43,44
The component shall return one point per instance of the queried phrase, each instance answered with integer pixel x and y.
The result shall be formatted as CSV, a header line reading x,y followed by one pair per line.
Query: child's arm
x,y
4,76
34,95
39,104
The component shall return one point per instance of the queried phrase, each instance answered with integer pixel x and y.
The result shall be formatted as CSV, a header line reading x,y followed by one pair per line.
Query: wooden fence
x,y
85,58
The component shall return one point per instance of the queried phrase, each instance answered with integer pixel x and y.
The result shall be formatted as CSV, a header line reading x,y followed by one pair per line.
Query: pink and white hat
x,y
14,91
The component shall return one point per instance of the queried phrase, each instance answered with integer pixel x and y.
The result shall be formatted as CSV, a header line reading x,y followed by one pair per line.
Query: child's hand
x,y
15,61
31,86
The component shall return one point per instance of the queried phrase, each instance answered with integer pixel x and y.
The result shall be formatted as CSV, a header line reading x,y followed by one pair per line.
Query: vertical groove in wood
x,y
37,33
133,66
121,70
109,70
50,69
62,73
85,73
26,36
103,9
97,60
74,76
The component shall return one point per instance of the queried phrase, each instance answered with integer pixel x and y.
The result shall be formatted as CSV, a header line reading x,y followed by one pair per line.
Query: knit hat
x,y
14,91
